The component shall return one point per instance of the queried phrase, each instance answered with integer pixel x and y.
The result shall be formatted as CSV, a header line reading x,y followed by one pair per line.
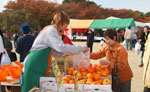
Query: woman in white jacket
x,y
40,55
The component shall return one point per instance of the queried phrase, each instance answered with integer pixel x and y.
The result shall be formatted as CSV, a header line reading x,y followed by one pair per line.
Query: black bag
x,y
115,86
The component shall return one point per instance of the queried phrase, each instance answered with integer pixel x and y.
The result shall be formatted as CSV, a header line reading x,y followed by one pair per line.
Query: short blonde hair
x,y
60,19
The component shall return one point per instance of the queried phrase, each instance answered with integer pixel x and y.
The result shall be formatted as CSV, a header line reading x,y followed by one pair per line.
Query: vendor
x,y
40,55
115,53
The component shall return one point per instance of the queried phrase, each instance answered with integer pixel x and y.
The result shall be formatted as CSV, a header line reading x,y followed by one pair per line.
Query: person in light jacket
x,y
128,37
146,61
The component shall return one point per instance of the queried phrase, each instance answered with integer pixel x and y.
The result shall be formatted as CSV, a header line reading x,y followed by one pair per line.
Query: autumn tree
x,y
39,13
12,19
147,14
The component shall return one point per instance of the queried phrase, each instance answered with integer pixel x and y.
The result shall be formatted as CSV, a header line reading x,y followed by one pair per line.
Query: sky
x,y
140,5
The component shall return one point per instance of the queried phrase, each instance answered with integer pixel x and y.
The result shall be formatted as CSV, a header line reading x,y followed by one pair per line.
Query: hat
x,y
25,28
92,29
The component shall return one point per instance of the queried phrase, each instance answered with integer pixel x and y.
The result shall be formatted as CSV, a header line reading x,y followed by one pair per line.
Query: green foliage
x,y
66,1
12,19
147,14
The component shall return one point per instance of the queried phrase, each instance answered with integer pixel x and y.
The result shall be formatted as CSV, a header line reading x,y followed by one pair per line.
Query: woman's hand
x,y
105,62
86,49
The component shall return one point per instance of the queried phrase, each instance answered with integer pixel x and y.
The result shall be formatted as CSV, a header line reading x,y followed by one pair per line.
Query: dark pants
x,y
91,47
142,56
146,89
125,87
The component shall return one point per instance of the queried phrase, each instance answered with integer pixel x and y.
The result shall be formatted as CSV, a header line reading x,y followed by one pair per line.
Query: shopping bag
x,y
81,60
137,48
124,43
5,60
115,86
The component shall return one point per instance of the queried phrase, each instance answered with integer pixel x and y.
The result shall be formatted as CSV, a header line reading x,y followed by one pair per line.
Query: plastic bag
x,y
5,60
124,43
81,60
137,48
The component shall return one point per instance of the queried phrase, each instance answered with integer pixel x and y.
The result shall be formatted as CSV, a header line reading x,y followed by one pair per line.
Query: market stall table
x,y
13,83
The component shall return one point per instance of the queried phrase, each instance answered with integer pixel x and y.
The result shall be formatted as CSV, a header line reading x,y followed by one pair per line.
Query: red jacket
x,y
66,40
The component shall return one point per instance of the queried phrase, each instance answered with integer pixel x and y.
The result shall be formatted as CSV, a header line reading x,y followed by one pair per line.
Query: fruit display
x,y
10,70
95,74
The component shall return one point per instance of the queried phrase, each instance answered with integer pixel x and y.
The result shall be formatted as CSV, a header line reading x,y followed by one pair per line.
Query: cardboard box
x,y
48,83
70,87
97,88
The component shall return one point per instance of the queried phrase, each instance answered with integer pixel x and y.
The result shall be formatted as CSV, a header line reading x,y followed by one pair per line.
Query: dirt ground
x,y
134,61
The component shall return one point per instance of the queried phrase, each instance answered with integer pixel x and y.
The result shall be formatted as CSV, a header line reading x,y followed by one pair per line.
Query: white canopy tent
x,y
140,24
137,23
148,24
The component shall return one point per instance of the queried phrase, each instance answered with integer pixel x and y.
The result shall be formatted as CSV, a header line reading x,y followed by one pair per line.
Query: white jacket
x,y
1,45
128,34
49,37
146,60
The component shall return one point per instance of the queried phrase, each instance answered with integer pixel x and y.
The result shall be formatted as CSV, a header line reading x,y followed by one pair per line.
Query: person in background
x,y
15,36
9,35
134,39
128,37
74,35
66,40
119,39
8,46
77,33
102,42
2,50
4,42
35,33
146,61
7,43
90,39
39,58
82,33
115,53
122,35
143,41
24,43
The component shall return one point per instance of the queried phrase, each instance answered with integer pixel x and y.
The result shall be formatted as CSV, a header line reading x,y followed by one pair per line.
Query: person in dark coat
x,y
143,41
90,39
24,43
74,35
35,33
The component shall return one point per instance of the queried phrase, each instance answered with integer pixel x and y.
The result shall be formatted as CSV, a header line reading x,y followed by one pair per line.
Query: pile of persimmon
x,y
102,70
70,80
93,75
